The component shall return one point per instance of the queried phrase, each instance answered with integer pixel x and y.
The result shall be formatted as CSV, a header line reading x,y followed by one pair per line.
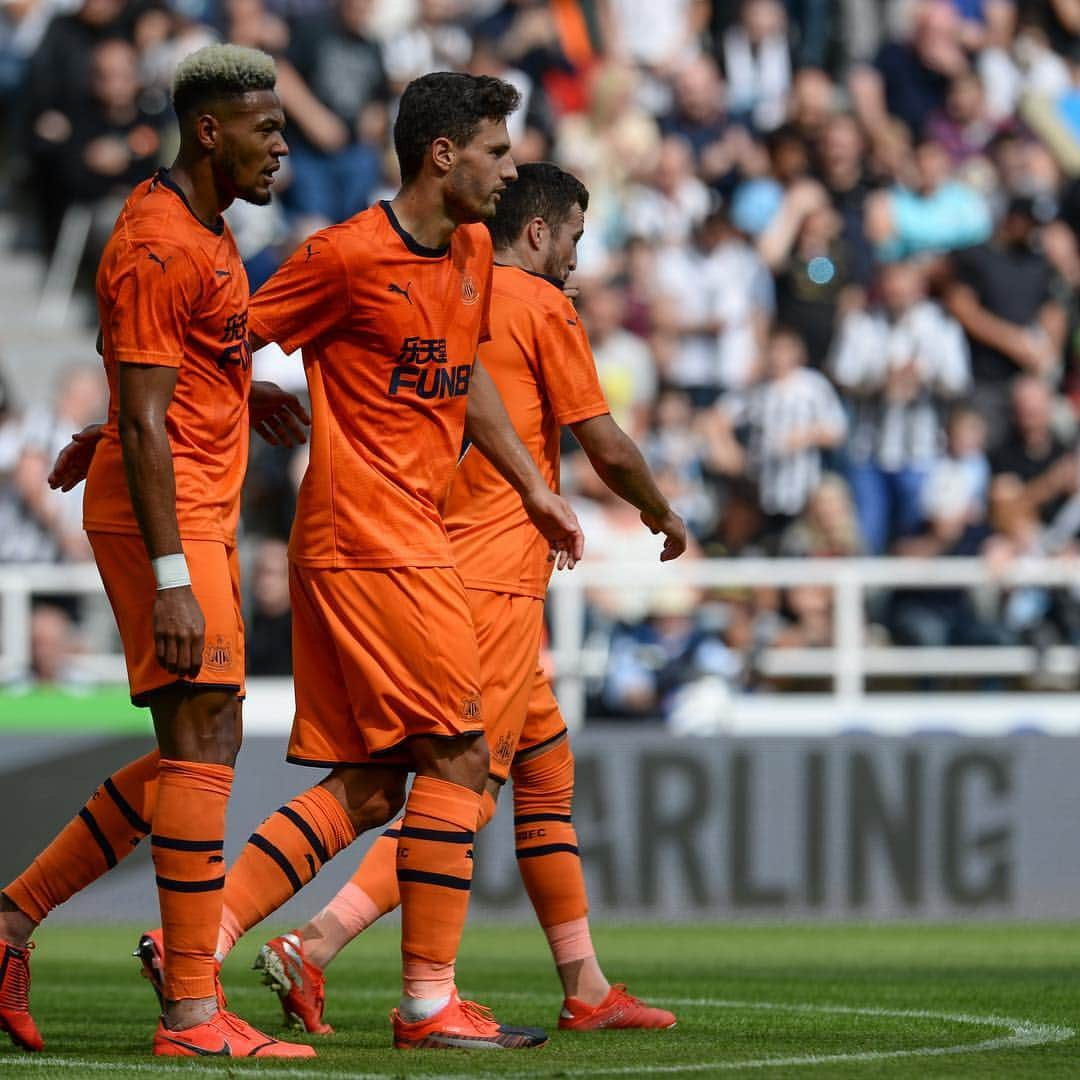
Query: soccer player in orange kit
x,y
389,308
161,508
539,358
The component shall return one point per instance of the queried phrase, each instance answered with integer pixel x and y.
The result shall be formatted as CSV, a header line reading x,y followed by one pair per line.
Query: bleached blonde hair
x,y
220,71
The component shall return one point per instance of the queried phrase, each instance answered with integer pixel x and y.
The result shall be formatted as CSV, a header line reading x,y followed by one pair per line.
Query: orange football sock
x,y
188,847
545,839
434,871
105,831
286,851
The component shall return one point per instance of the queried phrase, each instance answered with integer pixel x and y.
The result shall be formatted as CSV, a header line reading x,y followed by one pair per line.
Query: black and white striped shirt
x,y
908,434
773,412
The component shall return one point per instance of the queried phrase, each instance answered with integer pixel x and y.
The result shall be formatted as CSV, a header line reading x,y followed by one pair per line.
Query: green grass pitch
x,y
970,1000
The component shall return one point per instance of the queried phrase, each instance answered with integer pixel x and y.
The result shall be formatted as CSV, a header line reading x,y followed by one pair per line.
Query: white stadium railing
x,y
847,664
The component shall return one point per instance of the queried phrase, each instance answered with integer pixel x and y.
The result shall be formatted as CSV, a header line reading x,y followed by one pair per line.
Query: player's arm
x,y
618,462
488,428
179,628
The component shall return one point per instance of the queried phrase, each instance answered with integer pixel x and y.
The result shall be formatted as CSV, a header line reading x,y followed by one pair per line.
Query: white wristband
x,y
171,571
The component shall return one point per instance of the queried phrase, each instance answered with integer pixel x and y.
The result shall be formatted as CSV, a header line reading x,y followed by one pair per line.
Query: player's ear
x,y
443,154
536,231
207,131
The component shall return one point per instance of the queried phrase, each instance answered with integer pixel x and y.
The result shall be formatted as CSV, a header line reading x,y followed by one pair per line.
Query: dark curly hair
x,y
449,105
541,190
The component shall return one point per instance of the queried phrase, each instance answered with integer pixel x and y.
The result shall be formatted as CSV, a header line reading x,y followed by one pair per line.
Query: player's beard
x,y
468,200
231,168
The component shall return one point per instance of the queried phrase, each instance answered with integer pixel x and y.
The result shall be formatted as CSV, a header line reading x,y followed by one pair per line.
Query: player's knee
x,y
367,799
463,760
204,726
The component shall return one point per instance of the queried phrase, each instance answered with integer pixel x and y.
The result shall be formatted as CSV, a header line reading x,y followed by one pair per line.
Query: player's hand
x,y
73,462
277,415
674,529
558,524
179,631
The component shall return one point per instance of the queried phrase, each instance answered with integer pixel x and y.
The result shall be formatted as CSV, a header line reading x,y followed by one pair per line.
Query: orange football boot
x,y
462,1025
619,1009
224,1035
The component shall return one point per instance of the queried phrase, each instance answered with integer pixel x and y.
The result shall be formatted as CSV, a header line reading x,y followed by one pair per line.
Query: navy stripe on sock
x,y
546,849
528,819
423,877
393,833
174,843
414,833
99,836
189,886
125,807
278,856
307,830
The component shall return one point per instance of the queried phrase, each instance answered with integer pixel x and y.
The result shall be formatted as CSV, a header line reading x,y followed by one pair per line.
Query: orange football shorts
x,y
129,583
380,656
520,710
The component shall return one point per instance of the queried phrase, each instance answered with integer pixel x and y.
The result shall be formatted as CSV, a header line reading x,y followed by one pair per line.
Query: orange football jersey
x,y
389,330
539,358
172,292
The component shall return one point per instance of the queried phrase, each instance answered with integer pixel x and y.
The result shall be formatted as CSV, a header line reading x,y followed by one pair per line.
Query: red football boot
x,y
619,1009
298,983
462,1025
151,954
15,1016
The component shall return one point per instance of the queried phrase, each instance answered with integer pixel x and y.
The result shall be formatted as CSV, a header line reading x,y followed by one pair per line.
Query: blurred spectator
x,y
660,35
334,89
269,628
757,64
964,128
10,431
436,41
53,647
109,143
716,294
909,80
33,524
957,489
804,248
531,125
828,526
898,364
1033,453
699,115
653,663
929,211
56,91
1002,296
667,208
786,421
623,361
841,153
675,450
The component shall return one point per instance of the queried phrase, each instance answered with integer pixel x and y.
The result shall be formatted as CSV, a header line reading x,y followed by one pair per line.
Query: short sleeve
x,y
158,290
485,315
567,368
306,296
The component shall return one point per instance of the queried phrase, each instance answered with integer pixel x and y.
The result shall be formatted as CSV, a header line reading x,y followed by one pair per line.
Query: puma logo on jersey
x,y
158,259
310,252
400,291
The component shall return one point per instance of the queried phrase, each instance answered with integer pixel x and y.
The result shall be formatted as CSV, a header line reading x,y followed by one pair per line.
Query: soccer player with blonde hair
x,y
161,508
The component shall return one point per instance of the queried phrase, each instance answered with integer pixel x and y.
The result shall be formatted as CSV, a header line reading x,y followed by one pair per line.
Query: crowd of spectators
x,y
829,272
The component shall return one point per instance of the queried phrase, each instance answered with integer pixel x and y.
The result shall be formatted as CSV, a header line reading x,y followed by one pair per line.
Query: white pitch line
x,y
1022,1034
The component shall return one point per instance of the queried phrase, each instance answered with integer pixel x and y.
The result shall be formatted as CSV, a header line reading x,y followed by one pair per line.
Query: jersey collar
x,y
407,240
560,285
163,178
